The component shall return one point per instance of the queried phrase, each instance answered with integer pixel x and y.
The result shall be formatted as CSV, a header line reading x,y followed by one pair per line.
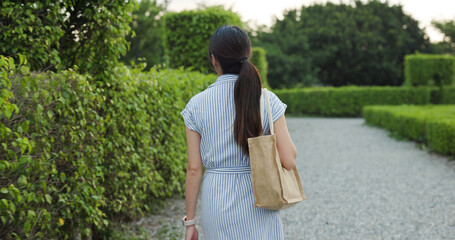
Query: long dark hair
x,y
231,47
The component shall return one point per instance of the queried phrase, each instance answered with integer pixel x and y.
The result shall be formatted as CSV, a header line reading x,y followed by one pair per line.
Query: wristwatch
x,y
187,223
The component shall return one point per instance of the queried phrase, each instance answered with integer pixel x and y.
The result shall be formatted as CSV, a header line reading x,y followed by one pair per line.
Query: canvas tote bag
x,y
274,187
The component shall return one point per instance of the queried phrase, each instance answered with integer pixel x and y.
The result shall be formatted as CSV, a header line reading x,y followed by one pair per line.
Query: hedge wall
x,y
187,35
260,61
448,95
75,157
145,148
51,181
348,101
429,69
430,124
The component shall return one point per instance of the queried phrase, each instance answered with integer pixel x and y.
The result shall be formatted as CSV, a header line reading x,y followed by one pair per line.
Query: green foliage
x,y
259,60
448,95
429,69
145,148
348,101
430,124
51,135
74,157
288,53
341,44
31,31
447,28
87,33
441,135
187,35
147,41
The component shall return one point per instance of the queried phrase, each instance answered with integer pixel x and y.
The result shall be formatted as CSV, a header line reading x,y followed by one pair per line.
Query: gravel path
x,y
360,184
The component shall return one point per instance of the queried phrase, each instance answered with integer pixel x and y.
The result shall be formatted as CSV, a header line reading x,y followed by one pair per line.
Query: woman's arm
x,y
284,144
193,173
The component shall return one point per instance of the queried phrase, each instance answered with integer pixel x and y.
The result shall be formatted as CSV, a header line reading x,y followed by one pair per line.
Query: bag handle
x,y
265,93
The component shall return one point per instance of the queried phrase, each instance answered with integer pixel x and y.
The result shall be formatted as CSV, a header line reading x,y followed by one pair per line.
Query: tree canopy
x,y
446,27
146,42
341,44
61,34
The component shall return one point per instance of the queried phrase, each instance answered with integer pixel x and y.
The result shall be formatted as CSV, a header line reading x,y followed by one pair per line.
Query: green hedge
x,y
430,124
348,101
52,150
260,61
145,148
428,69
56,36
75,157
187,35
448,95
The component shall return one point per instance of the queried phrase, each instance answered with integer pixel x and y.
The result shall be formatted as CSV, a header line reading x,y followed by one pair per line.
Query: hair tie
x,y
243,59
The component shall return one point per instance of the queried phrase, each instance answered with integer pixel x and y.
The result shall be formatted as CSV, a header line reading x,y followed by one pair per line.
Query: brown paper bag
x,y
274,187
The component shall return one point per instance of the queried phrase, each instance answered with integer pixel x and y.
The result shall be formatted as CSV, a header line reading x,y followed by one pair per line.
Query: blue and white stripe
x,y
226,193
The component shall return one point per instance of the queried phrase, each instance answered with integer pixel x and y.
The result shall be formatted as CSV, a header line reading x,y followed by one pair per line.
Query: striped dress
x,y
226,193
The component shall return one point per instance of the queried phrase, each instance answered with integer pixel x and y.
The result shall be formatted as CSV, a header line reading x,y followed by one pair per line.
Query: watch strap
x,y
187,223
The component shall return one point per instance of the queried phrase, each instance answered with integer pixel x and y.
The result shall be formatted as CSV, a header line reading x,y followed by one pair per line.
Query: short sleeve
x,y
278,107
189,116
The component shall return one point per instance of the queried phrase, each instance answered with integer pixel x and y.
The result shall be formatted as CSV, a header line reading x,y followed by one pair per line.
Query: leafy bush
x,y
187,35
348,101
259,60
445,95
87,33
430,124
145,148
51,183
74,157
441,135
426,69
448,95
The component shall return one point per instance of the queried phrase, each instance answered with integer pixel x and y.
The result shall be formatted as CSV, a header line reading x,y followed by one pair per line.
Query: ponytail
x,y
231,46
247,92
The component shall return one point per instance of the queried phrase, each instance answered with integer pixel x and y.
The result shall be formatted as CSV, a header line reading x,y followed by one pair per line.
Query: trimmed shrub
x,y
448,95
428,69
260,61
187,35
445,95
348,101
75,157
441,135
51,181
430,124
145,146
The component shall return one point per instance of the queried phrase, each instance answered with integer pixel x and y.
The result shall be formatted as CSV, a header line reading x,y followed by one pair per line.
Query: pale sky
x,y
264,11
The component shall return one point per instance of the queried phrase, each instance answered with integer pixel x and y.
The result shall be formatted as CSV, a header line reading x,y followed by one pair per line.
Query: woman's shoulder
x,y
198,99
273,96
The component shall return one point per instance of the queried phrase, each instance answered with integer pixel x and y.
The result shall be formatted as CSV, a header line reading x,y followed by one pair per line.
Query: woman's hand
x,y
191,233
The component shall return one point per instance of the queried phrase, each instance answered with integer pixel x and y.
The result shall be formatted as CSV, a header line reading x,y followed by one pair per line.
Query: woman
x,y
218,123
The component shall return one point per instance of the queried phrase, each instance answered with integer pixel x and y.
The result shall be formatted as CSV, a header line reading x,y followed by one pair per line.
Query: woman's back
x,y
211,113
219,122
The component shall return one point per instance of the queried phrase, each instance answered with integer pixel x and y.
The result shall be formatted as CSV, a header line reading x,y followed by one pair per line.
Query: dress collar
x,y
227,78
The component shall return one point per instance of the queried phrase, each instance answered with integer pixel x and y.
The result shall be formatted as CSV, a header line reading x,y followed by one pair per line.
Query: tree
x,y
340,44
61,34
287,53
146,42
447,28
